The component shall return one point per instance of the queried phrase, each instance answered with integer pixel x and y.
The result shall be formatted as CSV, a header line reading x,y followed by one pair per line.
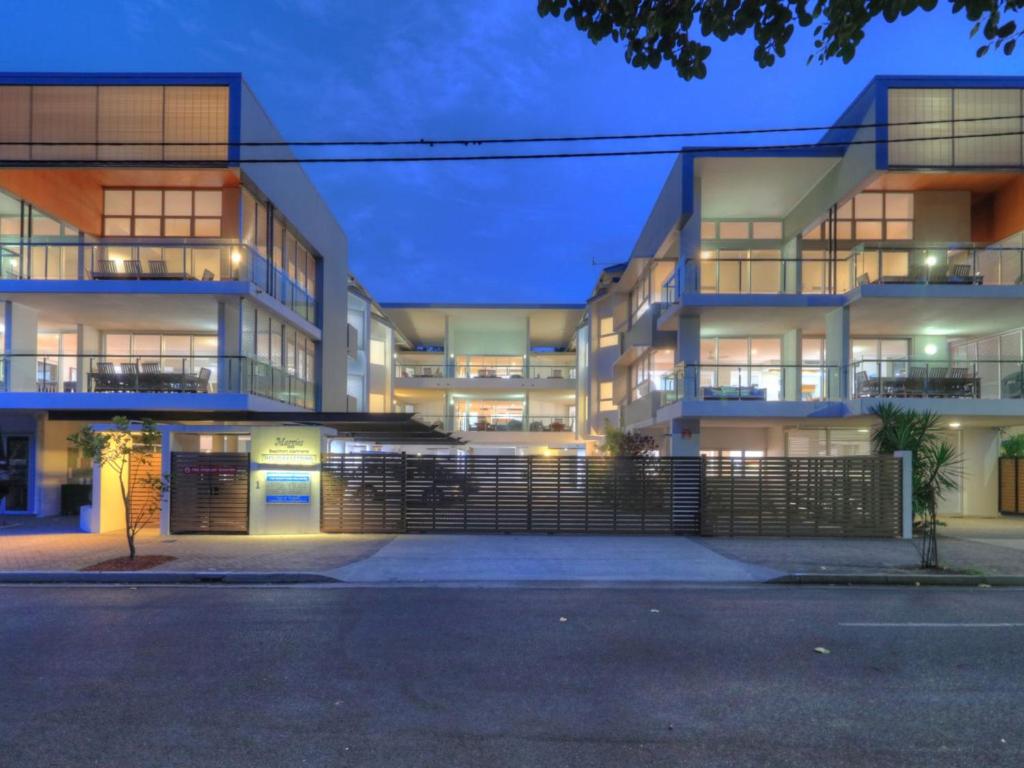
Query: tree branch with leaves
x,y
124,450
679,32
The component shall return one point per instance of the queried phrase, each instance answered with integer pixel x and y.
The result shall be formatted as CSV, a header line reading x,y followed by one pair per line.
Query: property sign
x,y
288,488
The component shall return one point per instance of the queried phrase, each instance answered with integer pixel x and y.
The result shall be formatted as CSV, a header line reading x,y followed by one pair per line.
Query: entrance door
x,y
209,493
18,464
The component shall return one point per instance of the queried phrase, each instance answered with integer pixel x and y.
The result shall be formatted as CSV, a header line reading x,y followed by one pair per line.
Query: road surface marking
x,y
936,624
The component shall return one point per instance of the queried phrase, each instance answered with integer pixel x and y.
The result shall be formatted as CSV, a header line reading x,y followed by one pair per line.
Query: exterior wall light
x,y
954,425
930,261
930,349
236,257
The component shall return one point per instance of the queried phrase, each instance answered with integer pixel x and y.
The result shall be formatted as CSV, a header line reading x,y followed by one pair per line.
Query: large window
x,y
870,217
740,230
605,401
607,337
162,212
747,368
282,350
648,372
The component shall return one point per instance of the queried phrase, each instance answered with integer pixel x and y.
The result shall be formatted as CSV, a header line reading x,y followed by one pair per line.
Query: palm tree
x,y
937,466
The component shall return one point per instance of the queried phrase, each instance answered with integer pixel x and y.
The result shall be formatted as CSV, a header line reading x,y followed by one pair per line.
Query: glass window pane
x,y
899,230
844,230
899,205
148,202
178,202
117,202
869,230
208,202
708,230
147,227
845,211
733,230
117,227
177,227
868,205
207,228
118,343
204,346
767,230
145,345
177,345
732,351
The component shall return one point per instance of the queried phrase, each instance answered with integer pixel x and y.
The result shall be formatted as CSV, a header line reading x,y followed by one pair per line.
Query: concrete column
x,y
165,472
791,279
980,482
837,353
688,268
229,346
449,349
907,502
792,354
21,325
685,437
688,352
89,348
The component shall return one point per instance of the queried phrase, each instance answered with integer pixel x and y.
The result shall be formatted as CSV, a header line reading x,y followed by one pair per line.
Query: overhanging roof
x,y
376,427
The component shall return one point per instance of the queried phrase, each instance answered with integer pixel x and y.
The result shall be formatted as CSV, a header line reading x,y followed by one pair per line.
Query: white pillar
x,y
837,352
907,501
688,352
21,325
685,438
792,357
980,482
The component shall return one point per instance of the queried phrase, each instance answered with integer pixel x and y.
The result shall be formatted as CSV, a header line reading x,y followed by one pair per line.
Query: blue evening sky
x,y
472,232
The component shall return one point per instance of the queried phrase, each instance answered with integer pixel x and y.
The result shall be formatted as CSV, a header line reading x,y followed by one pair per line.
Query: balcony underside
x,y
839,409
134,401
485,384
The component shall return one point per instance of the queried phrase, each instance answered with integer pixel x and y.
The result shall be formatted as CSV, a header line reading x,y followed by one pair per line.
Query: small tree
x,y
937,466
625,443
1013,446
115,449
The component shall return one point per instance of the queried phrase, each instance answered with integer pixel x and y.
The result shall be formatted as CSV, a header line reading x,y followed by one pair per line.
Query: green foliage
x,y
678,31
937,466
622,442
115,449
1013,446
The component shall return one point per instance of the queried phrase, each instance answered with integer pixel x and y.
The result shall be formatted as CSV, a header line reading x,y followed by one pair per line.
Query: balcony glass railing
x,y
754,273
867,378
164,259
503,423
741,382
973,379
474,371
165,374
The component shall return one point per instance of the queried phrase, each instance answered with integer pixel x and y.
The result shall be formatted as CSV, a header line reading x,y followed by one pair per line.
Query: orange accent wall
x,y
75,195
1000,214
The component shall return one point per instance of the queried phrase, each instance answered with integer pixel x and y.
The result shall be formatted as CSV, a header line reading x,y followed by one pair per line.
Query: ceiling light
x,y
930,349
930,261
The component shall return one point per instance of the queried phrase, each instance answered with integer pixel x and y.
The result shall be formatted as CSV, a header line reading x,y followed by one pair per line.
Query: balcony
x,y
154,374
153,260
643,332
513,374
762,272
473,423
958,379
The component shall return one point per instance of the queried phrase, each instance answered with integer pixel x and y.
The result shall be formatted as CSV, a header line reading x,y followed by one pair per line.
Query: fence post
x,y
906,459
402,507
529,493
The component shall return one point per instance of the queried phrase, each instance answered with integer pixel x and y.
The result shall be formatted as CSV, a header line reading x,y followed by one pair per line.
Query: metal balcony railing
x,y
162,259
485,371
161,374
504,423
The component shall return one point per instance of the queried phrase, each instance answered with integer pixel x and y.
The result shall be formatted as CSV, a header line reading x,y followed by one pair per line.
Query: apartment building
x,y
148,265
500,378
774,297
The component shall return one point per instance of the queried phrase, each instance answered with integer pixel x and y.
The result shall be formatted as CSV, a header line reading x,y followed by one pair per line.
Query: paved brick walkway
x,y
52,544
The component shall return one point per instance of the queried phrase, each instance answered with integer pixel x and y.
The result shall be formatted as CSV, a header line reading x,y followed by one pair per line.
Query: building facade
x,y
148,264
774,297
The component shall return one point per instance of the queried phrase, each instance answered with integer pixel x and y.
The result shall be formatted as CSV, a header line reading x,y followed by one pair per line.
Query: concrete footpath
x,y
563,558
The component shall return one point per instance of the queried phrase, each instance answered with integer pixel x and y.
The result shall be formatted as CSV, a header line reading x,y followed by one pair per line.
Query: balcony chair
x,y
157,270
106,377
865,386
864,279
208,276
133,268
960,383
556,373
199,383
961,273
106,269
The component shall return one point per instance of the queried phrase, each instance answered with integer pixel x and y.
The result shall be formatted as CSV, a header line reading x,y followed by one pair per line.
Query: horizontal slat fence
x,y
381,493
209,493
833,496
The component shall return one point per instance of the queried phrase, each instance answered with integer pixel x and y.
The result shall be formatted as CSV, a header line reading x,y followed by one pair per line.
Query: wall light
x,y
954,425
705,255
236,257
930,261
930,349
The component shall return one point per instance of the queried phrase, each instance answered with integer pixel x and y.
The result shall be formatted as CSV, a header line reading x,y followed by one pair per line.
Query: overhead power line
x,y
740,148
469,142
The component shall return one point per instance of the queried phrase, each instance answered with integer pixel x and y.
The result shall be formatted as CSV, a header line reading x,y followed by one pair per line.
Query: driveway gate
x,y
390,493
209,493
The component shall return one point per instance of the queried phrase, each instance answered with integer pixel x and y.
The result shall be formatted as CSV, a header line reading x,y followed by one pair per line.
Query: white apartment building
x,y
775,296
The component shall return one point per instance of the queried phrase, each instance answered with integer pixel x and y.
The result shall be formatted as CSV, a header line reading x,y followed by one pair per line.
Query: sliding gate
x,y
209,493
392,493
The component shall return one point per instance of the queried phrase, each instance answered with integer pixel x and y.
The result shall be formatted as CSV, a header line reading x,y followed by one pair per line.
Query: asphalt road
x,y
712,676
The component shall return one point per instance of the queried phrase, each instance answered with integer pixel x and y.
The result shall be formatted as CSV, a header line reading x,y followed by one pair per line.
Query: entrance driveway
x,y
497,558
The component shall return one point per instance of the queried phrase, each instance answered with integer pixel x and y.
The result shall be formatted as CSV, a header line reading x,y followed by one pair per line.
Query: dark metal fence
x,y
833,496
209,493
382,493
